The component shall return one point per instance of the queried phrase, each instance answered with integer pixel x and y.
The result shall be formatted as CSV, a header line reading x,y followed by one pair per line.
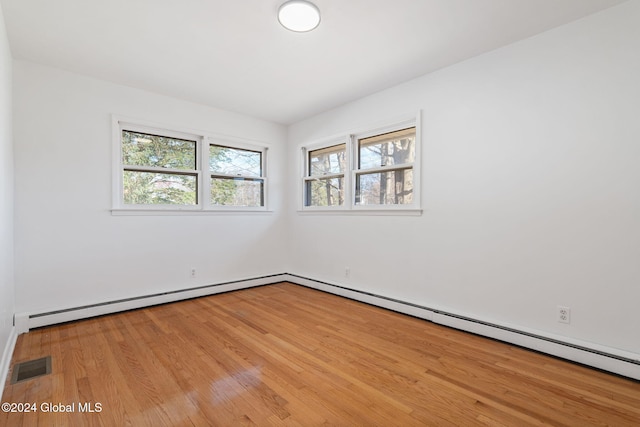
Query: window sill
x,y
362,212
186,212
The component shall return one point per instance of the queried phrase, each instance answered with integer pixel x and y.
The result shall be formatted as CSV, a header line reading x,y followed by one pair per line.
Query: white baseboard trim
x,y
601,357
605,358
7,353
26,321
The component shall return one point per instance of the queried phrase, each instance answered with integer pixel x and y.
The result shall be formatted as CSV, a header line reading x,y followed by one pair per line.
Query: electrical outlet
x,y
347,272
564,314
193,273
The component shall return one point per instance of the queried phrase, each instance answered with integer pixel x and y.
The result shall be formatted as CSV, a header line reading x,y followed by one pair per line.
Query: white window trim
x,y
243,145
325,143
351,140
203,141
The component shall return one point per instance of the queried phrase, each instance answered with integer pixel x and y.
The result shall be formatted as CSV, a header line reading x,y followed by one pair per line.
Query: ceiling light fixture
x,y
299,15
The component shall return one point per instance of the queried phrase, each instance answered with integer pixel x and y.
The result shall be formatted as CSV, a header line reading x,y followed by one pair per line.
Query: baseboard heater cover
x,y
628,366
36,320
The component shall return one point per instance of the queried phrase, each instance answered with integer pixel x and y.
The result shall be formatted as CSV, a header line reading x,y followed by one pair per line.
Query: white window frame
x,y
351,140
203,142
307,177
240,145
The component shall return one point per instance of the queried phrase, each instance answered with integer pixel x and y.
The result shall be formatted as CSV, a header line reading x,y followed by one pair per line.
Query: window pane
x,y
141,149
394,148
325,192
385,188
237,191
233,161
326,161
148,188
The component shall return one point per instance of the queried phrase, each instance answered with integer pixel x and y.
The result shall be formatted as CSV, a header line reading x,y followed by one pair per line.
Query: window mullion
x,y
327,176
386,168
155,169
232,176
204,183
352,146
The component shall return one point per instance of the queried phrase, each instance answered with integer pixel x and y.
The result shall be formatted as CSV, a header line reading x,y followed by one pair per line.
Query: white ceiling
x,y
233,54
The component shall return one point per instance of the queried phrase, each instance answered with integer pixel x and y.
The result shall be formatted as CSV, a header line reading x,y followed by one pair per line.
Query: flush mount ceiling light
x,y
299,15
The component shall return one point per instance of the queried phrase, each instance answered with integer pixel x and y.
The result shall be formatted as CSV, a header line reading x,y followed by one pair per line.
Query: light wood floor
x,y
287,355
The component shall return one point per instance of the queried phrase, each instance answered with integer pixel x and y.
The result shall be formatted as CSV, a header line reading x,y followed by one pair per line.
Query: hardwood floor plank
x,y
285,355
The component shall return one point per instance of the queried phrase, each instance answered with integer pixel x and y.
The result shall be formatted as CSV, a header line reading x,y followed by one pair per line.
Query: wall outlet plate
x,y
564,314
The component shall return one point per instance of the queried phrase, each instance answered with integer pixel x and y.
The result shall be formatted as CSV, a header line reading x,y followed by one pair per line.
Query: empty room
x,y
323,212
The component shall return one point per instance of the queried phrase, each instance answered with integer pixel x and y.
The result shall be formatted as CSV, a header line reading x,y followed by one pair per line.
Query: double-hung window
x,y
159,169
165,170
324,184
384,173
236,176
374,169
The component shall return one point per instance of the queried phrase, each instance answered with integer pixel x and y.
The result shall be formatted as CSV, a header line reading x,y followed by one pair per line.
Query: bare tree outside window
x,y
325,186
385,168
368,170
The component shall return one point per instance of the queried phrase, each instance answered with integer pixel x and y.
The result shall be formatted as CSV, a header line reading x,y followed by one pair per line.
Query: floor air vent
x,y
31,369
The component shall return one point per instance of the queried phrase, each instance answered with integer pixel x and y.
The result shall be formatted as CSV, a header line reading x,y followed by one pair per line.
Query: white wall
x,y
531,167
70,251
6,197
530,172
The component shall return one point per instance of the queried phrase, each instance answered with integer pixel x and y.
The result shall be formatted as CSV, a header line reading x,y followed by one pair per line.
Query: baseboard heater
x,y
608,359
24,322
